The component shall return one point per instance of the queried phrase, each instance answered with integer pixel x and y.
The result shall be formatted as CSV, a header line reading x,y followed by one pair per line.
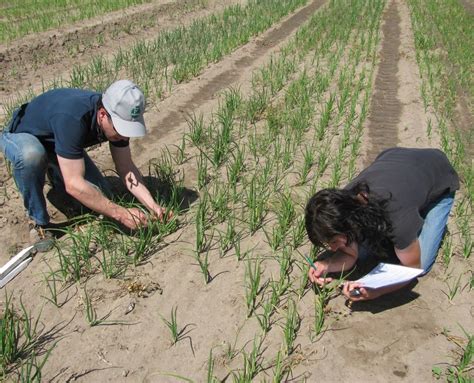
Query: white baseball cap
x,y
125,103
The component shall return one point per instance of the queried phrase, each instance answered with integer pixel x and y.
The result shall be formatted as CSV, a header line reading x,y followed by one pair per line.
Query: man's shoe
x,y
41,237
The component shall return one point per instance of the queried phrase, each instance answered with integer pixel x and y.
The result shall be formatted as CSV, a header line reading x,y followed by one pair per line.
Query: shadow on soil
x,y
386,302
389,301
162,191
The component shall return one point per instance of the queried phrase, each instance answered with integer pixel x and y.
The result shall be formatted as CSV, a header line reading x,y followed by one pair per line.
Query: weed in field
x,y
238,252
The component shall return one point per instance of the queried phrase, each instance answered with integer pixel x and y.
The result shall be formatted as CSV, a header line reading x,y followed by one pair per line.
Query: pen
x,y
355,292
311,263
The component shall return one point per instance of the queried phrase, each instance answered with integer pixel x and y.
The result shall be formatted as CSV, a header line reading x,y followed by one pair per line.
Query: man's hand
x,y
318,275
161,214
133,218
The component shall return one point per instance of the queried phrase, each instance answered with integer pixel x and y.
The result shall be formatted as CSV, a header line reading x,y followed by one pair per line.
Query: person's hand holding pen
x,y
317,272
356,292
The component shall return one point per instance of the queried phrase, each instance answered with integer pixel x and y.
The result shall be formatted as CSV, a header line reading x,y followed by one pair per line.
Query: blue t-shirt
x,y
65,121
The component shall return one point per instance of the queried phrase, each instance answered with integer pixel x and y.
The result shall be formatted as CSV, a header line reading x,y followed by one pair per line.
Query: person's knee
x,y
34,157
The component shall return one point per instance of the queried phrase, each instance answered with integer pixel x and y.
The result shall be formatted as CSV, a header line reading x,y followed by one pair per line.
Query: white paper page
x,y
386,274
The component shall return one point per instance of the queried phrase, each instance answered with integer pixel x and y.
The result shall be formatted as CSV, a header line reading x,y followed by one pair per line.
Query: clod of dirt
x,y
143,289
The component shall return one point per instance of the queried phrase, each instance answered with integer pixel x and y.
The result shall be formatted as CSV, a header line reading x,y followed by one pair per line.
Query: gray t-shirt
x,y
411,179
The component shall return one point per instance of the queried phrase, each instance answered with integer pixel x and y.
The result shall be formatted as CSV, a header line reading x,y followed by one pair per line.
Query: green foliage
x,y
25,17
20,338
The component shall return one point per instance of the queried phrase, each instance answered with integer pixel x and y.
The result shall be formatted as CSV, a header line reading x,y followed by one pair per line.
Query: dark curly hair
x,y
339,211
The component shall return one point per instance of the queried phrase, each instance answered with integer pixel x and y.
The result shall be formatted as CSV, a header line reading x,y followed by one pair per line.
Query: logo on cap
x,y
135,112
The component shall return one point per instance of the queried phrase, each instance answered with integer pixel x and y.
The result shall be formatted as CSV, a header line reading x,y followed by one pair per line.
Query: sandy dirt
x,y
397,338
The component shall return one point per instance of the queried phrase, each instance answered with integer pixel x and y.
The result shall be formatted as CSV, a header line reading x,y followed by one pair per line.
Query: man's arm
x,y
73,171
133,180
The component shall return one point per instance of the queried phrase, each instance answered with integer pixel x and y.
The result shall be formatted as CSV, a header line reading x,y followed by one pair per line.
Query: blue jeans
x,y
30,162
431,234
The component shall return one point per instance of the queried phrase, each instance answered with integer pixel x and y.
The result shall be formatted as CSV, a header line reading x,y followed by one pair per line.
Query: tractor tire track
x,y
236,67
386,108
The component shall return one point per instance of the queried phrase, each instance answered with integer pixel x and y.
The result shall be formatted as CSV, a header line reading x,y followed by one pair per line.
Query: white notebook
x,y
386,274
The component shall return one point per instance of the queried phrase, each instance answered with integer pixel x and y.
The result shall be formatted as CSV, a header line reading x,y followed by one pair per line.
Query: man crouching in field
x,y
397,207
52,131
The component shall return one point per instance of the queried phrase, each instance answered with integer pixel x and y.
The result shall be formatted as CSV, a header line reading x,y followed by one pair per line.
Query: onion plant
x,y
201,223
51,281
172,324
281,370
74,252
291,327
202,171
196,129
19,335
253,287
257,196
91,313
252,363
31,368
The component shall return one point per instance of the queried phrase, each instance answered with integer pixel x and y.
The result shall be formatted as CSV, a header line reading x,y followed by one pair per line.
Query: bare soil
x,y
396,338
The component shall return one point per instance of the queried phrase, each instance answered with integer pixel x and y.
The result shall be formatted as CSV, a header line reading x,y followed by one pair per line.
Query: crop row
x,y
20,17
176,55
443,37
258,158
446,78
